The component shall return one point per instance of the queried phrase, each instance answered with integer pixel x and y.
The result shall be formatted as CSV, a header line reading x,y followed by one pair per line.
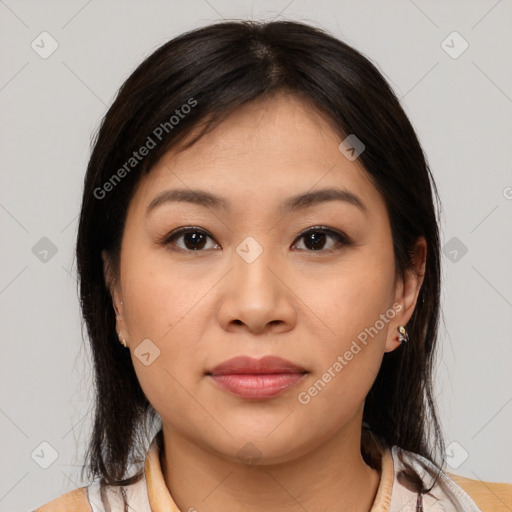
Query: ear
x,y
113,286
406,293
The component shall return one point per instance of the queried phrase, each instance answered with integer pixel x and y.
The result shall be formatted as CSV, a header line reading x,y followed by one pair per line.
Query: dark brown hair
x,y
214,70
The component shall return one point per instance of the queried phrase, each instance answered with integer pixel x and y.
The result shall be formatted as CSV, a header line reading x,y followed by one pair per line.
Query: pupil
x,y
197,240
317,240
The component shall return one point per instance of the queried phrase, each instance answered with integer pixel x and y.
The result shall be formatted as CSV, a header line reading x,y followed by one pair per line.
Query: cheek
x,y
157,295
172,310
353,298
165,311
355,308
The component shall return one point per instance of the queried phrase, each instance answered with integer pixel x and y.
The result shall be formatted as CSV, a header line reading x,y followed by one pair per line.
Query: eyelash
x,y
340,238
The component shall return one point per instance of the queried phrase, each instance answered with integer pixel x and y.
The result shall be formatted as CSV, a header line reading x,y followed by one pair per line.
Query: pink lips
x,y
257,378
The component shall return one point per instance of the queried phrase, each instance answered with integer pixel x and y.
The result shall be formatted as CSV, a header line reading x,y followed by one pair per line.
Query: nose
x,y
256,297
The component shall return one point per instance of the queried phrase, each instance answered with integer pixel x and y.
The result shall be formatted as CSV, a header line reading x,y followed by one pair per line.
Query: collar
x,y
150,493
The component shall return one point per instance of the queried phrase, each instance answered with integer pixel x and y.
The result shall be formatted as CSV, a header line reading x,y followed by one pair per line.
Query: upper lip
x,y
250,365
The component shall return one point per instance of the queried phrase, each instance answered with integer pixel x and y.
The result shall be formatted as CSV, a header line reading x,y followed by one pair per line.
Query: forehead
x,y
264,151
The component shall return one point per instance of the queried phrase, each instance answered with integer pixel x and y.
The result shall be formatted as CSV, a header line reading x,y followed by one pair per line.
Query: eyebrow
x,y
293,203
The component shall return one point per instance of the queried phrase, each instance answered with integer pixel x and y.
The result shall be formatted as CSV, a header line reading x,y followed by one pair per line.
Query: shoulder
x,y
98,497
72,501
488,496
450,489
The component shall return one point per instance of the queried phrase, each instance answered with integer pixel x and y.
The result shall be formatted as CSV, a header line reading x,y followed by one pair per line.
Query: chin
x,y
261,449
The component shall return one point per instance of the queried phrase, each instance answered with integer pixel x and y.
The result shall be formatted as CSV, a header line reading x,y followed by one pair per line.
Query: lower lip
x,y
258,386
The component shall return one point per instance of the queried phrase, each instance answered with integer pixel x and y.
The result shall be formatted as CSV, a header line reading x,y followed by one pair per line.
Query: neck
x,y
332,477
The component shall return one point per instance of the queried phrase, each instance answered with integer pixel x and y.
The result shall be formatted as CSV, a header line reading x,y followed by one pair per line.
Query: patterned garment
x,y
150,494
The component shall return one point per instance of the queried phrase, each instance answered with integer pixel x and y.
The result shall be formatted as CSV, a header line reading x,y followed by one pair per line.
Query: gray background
x,y
461,108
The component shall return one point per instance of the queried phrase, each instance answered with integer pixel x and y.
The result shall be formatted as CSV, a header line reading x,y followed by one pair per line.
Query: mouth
x,y
257,379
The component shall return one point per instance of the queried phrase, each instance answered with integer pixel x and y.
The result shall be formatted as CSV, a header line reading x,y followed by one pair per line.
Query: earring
x,y
403,337
121,339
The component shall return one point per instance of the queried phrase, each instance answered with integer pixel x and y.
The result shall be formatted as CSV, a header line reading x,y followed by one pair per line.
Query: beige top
x,y
150,494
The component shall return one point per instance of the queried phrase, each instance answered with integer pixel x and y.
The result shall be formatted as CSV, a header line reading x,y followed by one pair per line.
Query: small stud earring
x,y
403,337
121,339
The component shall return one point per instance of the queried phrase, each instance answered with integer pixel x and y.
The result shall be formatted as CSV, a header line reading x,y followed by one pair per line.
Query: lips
x,y
257,379
249,365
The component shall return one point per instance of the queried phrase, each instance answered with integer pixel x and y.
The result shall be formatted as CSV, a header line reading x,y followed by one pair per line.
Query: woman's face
x,y
260,273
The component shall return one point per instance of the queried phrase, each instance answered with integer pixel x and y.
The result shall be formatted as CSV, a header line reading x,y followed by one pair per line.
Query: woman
x,y
259,265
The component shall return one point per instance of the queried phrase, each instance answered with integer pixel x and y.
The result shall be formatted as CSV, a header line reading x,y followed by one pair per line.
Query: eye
x,y
192,239
317,237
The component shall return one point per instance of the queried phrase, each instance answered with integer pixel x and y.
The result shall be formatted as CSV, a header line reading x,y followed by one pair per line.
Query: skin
x,y
203,307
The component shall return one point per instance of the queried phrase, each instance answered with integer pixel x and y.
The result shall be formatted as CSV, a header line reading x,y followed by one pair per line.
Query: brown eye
x,y
189,239
317,238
